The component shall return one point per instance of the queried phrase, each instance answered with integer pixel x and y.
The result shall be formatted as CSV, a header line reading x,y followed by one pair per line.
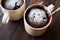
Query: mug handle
x,y
50,7
58,9
5,18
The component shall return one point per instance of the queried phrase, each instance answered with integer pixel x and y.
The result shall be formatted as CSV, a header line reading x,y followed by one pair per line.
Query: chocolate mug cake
x,y
37,17
12,4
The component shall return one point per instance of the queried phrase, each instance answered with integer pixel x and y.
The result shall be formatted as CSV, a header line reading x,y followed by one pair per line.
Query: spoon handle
x,y
58,9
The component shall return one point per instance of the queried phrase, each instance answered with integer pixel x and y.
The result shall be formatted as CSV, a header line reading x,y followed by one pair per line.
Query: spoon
x,y
58,9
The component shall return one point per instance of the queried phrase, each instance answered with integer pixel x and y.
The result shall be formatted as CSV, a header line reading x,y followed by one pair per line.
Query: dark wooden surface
x,y
15,30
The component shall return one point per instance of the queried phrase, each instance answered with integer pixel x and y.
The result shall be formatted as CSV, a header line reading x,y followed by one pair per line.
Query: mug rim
x,y
15,9
48,11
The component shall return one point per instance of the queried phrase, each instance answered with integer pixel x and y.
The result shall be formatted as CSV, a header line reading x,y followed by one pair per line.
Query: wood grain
x,y
15,30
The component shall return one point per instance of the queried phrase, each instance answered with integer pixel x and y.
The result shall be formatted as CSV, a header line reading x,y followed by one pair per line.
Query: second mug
x,y
12,14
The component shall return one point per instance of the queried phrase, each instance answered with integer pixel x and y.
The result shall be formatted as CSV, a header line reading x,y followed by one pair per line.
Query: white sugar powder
x,y
37,16
10,4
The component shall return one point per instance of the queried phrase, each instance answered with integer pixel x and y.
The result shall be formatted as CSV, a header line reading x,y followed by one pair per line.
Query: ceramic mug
x,y
38,31
12,14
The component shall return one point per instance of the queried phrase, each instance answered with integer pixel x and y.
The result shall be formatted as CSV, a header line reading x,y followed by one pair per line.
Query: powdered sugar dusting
x,y
10,4
37,16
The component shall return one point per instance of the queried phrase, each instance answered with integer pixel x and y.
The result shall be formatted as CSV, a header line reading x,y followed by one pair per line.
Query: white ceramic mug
x,y
38,31
12,14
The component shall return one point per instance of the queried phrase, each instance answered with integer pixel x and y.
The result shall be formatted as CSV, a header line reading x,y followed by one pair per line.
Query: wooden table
x,y
15,30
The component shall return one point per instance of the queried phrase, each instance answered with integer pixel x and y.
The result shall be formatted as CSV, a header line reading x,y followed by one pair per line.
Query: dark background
x,y
15,30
